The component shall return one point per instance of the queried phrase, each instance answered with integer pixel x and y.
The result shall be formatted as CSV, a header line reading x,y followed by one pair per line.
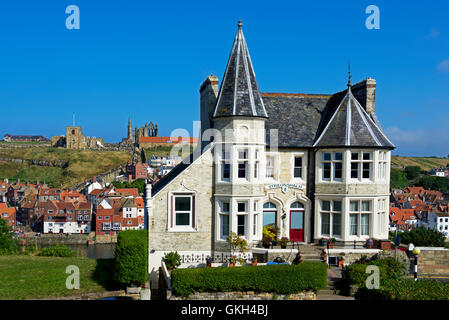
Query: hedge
x,y
57,251
277,278
389,268
131,258
406,289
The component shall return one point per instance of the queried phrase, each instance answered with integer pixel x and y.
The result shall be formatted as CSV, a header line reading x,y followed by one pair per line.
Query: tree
x,y
398,179
7,244
412,172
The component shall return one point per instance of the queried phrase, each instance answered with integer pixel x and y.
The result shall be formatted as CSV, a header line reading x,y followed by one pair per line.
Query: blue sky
x,y
147,59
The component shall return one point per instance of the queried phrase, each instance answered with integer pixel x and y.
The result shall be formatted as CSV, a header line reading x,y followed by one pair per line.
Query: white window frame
x,y
332,165
360,161
192,227
243,161
332,211
359,212
221,213
225,159
245,214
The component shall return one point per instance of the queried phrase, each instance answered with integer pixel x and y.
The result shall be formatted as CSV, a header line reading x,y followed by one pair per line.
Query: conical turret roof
x,y
239,93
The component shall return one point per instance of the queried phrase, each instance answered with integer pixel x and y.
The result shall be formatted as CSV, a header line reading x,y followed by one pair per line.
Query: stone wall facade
x,y
433,262
247,295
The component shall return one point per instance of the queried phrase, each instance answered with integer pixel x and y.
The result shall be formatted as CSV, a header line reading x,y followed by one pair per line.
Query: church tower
x,y
130,130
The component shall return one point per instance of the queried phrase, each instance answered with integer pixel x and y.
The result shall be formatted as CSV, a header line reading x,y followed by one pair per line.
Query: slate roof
x,y
239,92
351,126
295,116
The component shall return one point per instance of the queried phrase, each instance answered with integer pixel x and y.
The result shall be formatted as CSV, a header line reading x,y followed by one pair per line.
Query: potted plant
x,y
267,236
208,262
254,262
323,241
341,260
232,260
369,243
330,243
283,242
172,260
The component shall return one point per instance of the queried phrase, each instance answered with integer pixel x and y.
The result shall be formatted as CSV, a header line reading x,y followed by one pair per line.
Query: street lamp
x,y
416,252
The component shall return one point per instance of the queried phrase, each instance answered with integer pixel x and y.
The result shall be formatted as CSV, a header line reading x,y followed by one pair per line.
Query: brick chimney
x,y
209,93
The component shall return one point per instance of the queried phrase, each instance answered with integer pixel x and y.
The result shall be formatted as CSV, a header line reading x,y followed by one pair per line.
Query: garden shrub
x,y
277,278
57,251
172,260
421,237
406,289
131,257
7,244
389,268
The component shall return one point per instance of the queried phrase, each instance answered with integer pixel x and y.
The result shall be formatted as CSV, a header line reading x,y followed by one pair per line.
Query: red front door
x,y
297,225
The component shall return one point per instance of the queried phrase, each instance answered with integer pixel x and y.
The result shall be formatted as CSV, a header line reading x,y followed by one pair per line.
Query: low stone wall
x,y
56,239
106,239
433,262
352,255
248,295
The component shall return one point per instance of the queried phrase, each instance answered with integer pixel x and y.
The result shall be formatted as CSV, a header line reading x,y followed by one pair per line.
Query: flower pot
x,y
283,246
231,264
330,245
266,245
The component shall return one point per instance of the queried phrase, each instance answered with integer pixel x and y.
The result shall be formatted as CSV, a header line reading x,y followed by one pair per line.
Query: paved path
x,y
333,275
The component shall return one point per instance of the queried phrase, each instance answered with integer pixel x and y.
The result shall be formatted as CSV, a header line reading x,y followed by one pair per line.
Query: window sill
x,y
175,230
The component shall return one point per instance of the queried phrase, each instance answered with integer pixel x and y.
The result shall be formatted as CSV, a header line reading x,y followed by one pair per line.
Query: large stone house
x,y
314,165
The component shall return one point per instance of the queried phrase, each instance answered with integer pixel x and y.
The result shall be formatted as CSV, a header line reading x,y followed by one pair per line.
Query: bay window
x,y
360,212
382,165
332,166
224,219
331,217
225,166
361,165
242,164
242,214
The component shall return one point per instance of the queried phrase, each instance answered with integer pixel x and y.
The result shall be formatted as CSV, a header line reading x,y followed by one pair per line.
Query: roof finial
x,y
349,73
240,24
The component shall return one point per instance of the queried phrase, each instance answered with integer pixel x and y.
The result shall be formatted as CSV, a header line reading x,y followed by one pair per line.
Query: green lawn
x,y
33,277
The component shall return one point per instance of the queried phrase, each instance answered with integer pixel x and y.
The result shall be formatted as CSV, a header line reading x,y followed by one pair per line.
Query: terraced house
x,y
314,165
